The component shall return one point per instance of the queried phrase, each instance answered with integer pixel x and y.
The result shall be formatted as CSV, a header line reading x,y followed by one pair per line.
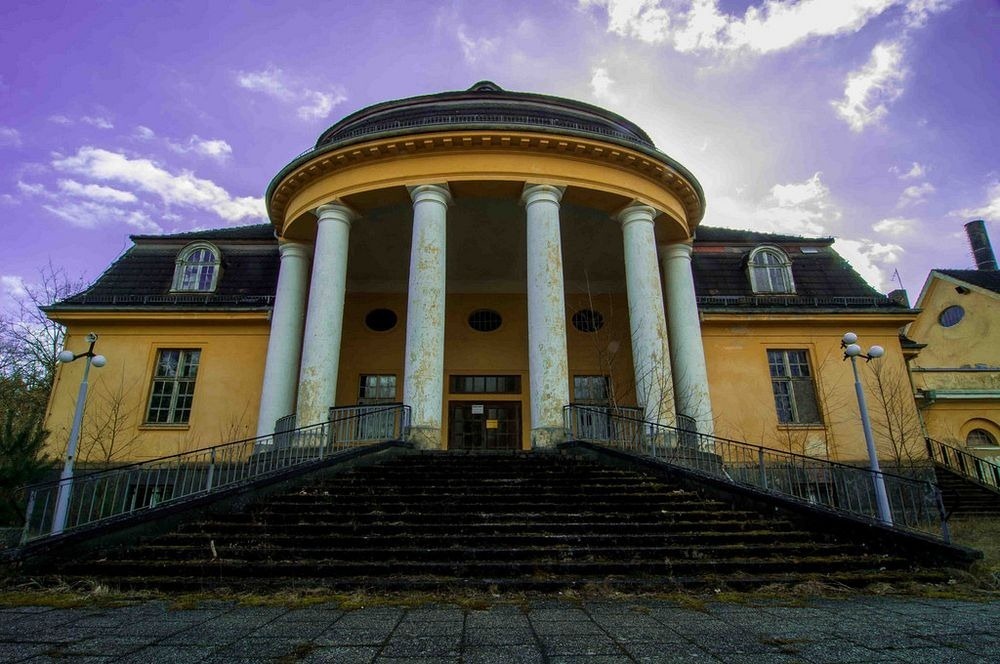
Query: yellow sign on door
x,y
491,424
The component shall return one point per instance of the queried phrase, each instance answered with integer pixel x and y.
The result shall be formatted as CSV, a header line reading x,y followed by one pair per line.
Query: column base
x,y
547,437
425,438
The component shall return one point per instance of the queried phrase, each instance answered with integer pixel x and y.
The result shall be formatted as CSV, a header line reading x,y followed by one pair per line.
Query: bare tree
x,y
109,433
30,342
894,419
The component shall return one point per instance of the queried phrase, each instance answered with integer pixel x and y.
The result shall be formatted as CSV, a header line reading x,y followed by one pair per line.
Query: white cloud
x,y
915,194
989,210
9,137
13,285
896,226
644,20
97,121
274,82
144,133
917,170
919,11
267,81
802,208
60,119
473,50
772,25
871,260
8,199
30,189
320,104
601,84
183,189
91,214
869,90
215,148
97,192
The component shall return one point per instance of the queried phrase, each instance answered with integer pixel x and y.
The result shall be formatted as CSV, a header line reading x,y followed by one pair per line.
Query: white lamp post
x,y
66,478
852,350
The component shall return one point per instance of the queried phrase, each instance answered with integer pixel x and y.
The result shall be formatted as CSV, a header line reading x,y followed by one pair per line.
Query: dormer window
x,y
198,267
770,271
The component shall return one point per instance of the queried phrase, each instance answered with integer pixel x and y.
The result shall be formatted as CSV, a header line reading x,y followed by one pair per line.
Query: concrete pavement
x,y
855,629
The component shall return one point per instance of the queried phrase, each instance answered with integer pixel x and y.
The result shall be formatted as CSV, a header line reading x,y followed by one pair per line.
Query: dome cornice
x,y
652,165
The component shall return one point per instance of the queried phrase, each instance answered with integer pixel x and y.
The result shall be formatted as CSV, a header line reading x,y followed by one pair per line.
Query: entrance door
x,y
484,426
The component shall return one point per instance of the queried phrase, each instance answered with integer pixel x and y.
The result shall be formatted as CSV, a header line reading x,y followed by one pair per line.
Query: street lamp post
x,y
852,350
66,478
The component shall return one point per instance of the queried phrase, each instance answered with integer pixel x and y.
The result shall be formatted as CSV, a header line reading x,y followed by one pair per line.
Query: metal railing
x,y
171,299
916,504
118,493
772,301
968,465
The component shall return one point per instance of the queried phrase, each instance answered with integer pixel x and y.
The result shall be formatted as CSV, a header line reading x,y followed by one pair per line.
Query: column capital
x,y
533,193
290,249
636,212
676,250
335,212
439,193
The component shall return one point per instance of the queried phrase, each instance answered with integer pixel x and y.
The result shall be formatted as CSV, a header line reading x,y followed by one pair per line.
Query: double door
x,y
484,425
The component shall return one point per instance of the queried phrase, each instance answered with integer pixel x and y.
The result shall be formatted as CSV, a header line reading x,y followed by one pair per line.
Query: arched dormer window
x,y
770,271
198,267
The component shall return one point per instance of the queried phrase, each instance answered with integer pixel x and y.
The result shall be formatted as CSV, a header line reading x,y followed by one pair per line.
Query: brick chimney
x,y
982,252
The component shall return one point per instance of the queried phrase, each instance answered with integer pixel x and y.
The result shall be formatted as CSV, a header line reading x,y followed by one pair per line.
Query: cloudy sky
x,y
874,121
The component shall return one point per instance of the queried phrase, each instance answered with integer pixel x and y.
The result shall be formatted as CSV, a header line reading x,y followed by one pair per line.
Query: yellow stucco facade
x,y
957,375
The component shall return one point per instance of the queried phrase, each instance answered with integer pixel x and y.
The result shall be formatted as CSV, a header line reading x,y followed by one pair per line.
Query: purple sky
x,y
874,121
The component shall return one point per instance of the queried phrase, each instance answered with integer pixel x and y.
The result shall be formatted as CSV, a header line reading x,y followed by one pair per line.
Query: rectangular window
x,y
173,386
594,390
791,381
486,384
377,388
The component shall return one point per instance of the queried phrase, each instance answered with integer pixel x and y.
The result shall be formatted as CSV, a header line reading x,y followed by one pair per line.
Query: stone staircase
x,y
964,497
501,522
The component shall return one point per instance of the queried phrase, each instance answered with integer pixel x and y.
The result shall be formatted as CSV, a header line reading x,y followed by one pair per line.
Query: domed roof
x,y
484,106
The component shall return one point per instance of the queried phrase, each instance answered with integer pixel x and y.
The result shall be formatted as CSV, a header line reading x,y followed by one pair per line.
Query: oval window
x,y
381,320
588,320
485,320
951,316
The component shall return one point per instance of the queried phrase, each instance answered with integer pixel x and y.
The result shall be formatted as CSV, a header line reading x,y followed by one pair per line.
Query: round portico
x,y
516,242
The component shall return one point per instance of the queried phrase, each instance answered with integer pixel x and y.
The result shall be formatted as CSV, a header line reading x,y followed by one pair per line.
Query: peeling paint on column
x,y
686,347
547,358
650,345
284,345
325,315
423,378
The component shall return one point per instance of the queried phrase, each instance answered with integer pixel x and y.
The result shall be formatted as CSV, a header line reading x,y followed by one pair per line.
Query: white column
x,y
423,377
687,354
547,364
325,316
284,347
650,350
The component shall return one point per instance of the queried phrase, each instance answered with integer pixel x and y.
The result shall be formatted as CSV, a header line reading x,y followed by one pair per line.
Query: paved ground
x,y
859,629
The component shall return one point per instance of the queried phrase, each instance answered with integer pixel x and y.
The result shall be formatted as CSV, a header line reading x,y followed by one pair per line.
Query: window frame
x,y
590,380
176,416
380,387
989,444
184,262
759,274
792,381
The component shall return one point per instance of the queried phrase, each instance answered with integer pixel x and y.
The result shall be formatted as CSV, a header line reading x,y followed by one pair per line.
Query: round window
x,y
951,316
381,320
588,320
484,320
980,438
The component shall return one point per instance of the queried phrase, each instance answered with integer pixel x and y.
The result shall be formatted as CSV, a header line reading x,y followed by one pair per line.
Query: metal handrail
x,y
778,300
964,463
916,504
117,493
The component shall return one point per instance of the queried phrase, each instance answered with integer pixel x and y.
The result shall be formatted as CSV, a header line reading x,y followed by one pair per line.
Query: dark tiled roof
x,y
144,274
823,279
988,279
734,236
254,232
